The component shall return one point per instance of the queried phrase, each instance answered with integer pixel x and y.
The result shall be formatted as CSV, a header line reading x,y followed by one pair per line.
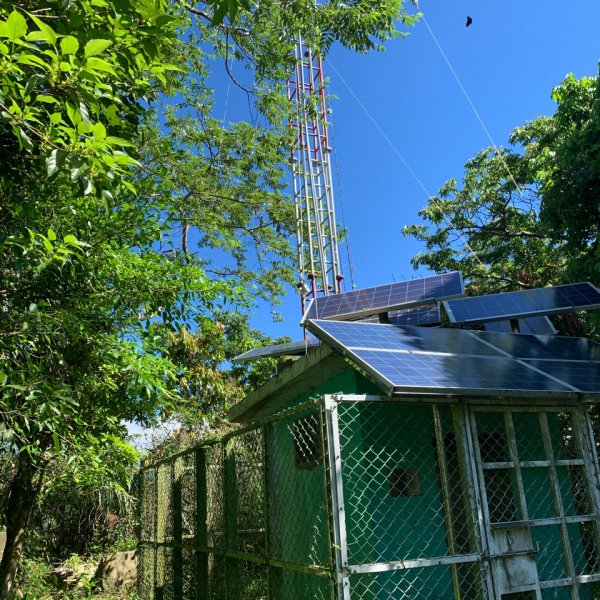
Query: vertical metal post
x,y
337,498
441,450
177,511
265,470
482,500
232,583
564,532
202,584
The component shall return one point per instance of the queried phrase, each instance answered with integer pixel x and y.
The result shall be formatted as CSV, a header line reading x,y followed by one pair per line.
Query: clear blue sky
x,y
509,60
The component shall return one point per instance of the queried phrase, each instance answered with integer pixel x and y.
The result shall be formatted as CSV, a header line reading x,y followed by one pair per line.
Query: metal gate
x,y
537,479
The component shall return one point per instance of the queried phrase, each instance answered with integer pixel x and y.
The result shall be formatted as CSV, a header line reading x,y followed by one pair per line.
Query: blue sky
x,y
508,61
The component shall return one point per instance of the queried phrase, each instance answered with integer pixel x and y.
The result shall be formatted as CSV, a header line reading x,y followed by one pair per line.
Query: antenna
x,y
319,268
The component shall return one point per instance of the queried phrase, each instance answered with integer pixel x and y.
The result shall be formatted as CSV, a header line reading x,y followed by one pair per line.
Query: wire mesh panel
x,y
298,524
215,494
435,583
245,493
408,497
243,518
286,583
540,499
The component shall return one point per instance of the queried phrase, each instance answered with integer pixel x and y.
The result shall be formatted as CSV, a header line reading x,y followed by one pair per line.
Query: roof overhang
x,y
304,375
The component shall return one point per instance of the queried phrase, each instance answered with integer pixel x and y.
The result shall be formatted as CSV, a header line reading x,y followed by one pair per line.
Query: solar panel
x,y
551,347
532,325
449,373
401,295
373,336
288,349
426,316
525,303
435,360
582,375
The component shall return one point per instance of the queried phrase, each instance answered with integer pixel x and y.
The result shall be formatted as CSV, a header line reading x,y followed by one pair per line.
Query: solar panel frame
x,y
526,303
385,298
288,349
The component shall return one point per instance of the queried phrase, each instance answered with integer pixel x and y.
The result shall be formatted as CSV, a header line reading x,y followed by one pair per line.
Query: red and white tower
x,y
316,230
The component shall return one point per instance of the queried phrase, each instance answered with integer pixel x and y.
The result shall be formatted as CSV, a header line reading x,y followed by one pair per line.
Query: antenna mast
x,y
316,231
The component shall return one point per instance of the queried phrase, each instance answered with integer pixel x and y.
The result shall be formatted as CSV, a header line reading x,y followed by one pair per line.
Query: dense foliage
x,y
527,215
129,214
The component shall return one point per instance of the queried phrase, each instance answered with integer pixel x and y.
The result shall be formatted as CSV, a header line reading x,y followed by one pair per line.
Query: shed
x,y
407,461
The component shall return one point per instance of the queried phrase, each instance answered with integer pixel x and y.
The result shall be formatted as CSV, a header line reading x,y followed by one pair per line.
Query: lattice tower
x,y
316,231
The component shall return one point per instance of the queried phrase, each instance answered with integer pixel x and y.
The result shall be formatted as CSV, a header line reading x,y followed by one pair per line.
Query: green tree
x,y
527,215
125,203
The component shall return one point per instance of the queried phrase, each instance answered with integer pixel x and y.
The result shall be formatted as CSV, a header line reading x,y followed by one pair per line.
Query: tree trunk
x,y
22,497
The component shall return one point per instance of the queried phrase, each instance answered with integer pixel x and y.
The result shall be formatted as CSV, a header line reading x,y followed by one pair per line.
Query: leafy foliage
x,y
527,215
129,214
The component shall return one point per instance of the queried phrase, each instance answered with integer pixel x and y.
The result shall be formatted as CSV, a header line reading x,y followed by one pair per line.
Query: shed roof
x,y
417,361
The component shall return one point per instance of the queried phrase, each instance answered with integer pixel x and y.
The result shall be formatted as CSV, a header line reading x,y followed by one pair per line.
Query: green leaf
x,y
85,115
99,131
46,33
56,442
95,47
99,64
69,45
117,141
53,163
16,26
70,239
46,99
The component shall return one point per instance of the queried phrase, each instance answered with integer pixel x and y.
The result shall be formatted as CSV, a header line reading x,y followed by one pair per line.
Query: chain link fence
x,y
246,517
352,498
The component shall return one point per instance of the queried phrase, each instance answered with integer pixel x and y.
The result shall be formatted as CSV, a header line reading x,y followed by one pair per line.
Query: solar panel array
x,y
429,360
384,298
525,303
288,349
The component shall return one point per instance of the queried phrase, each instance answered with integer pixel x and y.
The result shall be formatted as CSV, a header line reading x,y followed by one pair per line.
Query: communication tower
x,y
319,266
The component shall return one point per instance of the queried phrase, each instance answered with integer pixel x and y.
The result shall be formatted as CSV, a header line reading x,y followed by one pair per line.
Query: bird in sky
x,y
416,3
469,21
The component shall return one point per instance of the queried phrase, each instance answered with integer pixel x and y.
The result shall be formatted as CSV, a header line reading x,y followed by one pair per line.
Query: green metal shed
x,y
393,462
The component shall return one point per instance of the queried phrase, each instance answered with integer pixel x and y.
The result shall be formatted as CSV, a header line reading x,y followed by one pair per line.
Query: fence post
x,y
265,461
201,525
177,530
231,520
337,497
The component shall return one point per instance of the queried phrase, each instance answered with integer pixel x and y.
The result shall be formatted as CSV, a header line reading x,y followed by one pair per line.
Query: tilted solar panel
x,y
401,295
531,325
374,336
406,360
426,316
524,303
288,349
551,347
451,373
